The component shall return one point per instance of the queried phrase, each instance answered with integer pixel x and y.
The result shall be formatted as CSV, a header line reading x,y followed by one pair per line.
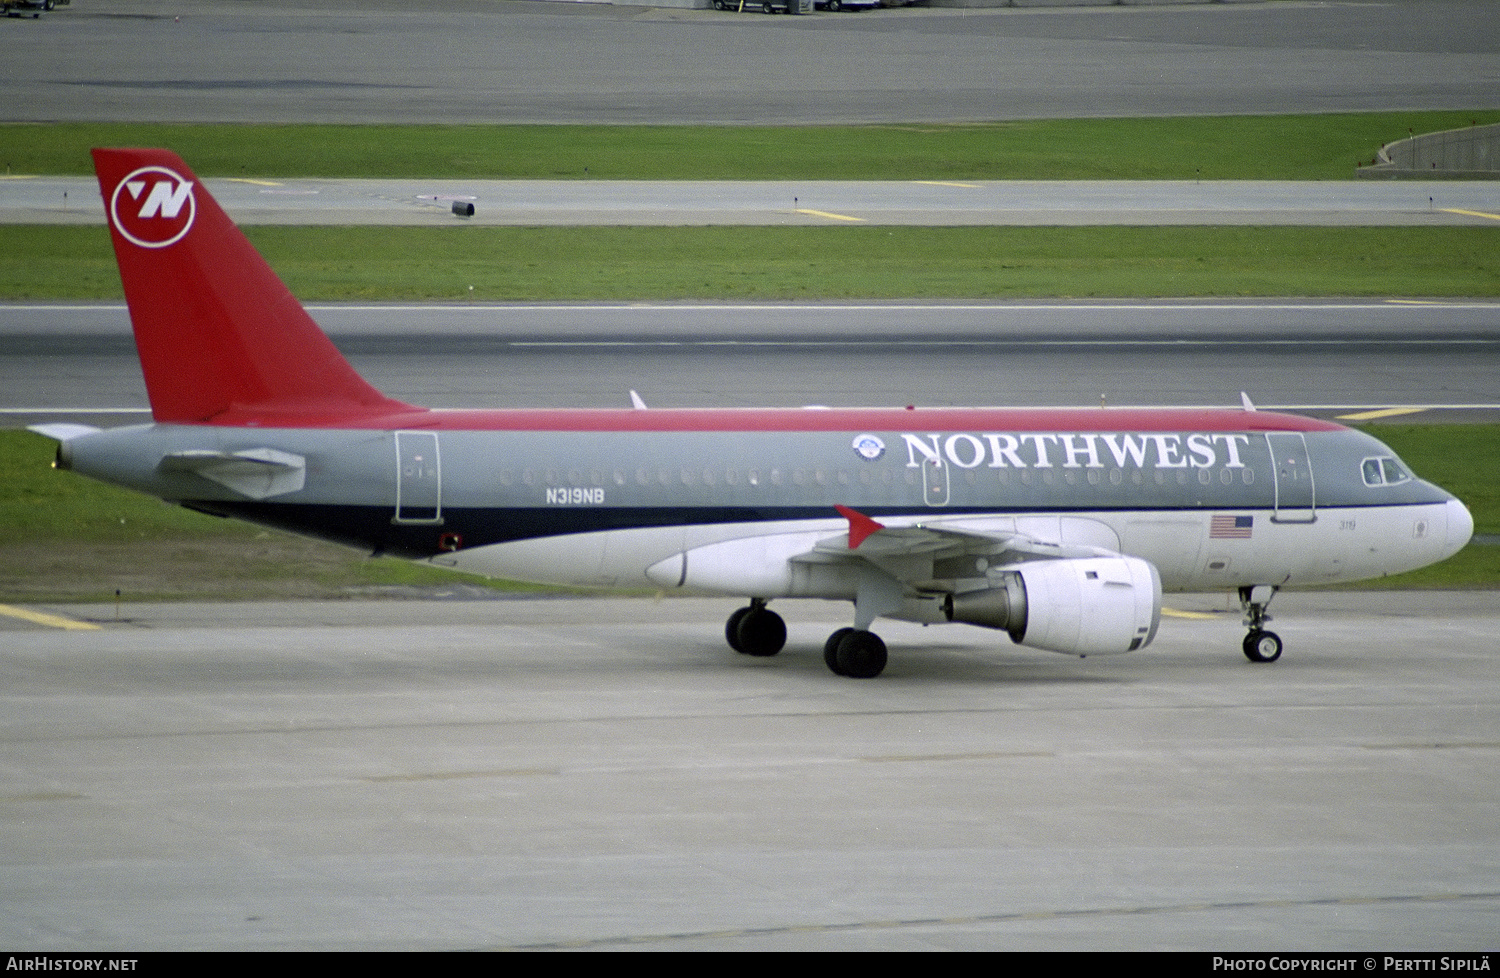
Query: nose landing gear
x,y
1260,645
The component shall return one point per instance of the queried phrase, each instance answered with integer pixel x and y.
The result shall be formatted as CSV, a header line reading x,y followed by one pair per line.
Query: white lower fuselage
x,y
1341,545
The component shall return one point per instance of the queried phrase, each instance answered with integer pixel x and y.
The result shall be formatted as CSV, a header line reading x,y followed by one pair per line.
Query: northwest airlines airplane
x,y
1058,527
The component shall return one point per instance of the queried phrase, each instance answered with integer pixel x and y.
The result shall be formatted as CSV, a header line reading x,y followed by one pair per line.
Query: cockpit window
x,y
1394,473
1384,471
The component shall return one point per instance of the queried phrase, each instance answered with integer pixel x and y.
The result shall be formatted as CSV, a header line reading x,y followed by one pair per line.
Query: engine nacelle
x,y
1079,606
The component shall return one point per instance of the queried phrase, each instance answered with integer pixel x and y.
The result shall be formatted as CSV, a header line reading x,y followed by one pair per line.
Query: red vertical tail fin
x,y
216,328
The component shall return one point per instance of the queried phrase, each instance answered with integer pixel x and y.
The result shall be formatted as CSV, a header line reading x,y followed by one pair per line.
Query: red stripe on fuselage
x,y
789,419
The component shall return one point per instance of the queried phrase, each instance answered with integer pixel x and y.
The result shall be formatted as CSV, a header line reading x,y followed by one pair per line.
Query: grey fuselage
x,y
1211,507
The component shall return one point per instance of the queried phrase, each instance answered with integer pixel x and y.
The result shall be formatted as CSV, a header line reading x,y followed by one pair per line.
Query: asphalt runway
x,y
78,361
481,62
606,774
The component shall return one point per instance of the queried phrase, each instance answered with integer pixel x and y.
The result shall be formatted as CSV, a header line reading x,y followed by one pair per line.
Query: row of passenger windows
x,y
1383,471
868,477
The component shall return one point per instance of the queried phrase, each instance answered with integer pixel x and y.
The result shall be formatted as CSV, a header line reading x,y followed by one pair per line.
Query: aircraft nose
x,y
1460,526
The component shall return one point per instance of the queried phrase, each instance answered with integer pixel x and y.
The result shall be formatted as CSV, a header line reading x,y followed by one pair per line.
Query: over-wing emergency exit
x,y
1058,527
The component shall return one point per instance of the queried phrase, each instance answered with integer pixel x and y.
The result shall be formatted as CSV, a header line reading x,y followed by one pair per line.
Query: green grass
x,y
67,538
39,504
625,264
1286,147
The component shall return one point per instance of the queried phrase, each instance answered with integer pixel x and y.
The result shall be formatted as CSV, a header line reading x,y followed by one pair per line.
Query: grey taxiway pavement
x,y
606,774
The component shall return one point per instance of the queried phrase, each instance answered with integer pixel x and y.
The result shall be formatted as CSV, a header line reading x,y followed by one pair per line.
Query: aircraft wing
x,y
1065,596
955,551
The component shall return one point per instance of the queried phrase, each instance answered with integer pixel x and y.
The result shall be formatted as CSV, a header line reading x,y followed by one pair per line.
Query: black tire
x,y
831,650
1262,646
732,628
861,655
761,633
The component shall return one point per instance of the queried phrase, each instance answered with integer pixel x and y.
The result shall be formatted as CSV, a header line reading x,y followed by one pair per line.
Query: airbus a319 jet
x,y
1059,527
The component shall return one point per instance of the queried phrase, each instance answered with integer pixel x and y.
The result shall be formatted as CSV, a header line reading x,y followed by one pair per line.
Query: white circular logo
x,y
868,447
153,207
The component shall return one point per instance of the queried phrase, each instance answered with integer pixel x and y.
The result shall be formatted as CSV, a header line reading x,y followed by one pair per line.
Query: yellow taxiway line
x,y
832,217
51,621
1381,413
1455,210
1174,613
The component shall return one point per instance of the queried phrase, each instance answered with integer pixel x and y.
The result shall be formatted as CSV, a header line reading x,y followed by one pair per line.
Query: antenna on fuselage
x,y
636,402
1245,402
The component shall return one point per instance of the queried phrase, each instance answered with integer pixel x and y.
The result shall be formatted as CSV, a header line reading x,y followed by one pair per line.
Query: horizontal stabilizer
x,y
62,430
258,473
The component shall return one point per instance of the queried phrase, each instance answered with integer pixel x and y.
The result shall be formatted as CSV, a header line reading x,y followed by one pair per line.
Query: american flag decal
x,y
1231,527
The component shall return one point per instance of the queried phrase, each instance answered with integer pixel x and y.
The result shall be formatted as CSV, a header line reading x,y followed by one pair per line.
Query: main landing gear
x,y
853,652
1260,645
754,630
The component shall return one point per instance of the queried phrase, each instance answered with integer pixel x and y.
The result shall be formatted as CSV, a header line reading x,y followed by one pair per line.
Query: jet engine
x,y
1079,606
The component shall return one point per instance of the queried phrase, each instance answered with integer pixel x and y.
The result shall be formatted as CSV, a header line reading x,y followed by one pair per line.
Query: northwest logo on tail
x,y
153,207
